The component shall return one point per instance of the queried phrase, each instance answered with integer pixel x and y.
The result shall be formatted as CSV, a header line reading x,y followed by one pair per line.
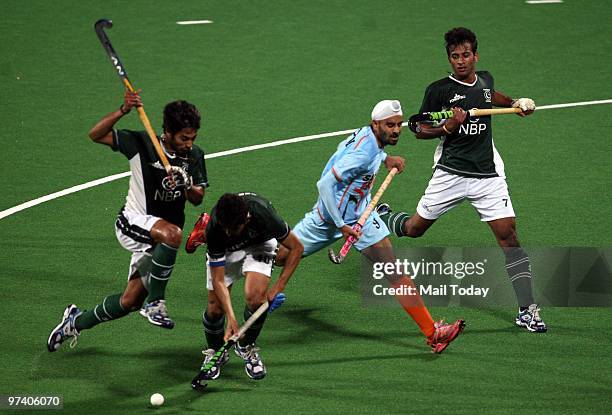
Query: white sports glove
x,y
180,178
525,104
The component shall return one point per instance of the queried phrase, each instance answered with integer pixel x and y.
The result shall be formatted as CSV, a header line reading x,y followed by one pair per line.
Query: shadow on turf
x,y
109,370
319,330
306,320
322,330
499,313
178,364
425,355
305,325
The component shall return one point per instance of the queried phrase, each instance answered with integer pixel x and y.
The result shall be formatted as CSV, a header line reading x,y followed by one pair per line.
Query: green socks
x,y
519,271
109,309
213,330
395,222
251,334
162,263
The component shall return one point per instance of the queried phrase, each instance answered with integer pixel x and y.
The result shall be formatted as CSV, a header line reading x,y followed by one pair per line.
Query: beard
x,y
389,139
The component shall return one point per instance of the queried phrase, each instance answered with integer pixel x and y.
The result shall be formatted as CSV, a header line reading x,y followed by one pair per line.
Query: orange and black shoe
x,y
444,334
197,236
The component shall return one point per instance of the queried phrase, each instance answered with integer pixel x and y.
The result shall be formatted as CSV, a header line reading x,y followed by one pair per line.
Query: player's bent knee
x,y
214,310
214,313
175,236
255,299
172,235
167,233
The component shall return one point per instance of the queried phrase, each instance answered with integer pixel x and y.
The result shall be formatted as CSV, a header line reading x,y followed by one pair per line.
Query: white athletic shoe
x,y
157,314
253,365
530,319
65,329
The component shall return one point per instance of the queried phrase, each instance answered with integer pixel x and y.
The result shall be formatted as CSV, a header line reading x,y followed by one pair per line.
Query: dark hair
x,y
232,211
459,36
180,114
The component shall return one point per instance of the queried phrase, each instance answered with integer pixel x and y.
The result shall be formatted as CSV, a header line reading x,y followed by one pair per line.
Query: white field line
x,y
189,22
277,143
574,104
61,193
74,189
543,1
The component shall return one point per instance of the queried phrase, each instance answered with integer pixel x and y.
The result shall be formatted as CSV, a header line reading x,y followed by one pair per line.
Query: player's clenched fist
x,y
527,105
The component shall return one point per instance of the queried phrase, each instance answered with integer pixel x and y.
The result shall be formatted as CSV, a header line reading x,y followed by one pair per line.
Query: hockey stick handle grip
x,y
443,115
350,241
493,111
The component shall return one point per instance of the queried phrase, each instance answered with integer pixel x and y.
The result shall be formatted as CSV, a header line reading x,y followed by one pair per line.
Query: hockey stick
x,y
196,383
442,115
350,241
99,26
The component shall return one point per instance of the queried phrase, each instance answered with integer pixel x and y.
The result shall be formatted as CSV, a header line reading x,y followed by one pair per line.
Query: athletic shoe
x,y
253,366
444,334
214,372
157,314
530,319
197,236
383,209
65,329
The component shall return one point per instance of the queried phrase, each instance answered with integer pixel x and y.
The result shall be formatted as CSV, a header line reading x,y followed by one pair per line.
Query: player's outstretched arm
x,y
102,132
294,256
526,105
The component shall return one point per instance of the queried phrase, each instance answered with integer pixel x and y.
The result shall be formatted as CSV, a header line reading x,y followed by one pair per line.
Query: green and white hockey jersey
x,y
146,194
470,151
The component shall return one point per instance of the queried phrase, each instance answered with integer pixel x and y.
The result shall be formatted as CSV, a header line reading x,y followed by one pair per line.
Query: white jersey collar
x,y
464,83
163,146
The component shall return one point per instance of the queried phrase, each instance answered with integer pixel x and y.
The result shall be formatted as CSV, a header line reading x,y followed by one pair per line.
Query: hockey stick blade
x,y
103,24
333,257
198,384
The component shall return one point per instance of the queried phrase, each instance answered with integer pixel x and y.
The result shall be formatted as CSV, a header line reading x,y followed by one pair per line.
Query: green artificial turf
x,y
271,70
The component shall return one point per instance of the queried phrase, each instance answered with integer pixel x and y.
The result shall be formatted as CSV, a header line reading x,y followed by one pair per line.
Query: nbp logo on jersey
x,y
167,195
472,129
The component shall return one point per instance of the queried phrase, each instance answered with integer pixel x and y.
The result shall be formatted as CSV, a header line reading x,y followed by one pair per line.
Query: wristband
x,y
446,129
122,111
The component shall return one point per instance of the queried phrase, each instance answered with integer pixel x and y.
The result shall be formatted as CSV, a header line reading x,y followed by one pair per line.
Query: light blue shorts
x,y
316,234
